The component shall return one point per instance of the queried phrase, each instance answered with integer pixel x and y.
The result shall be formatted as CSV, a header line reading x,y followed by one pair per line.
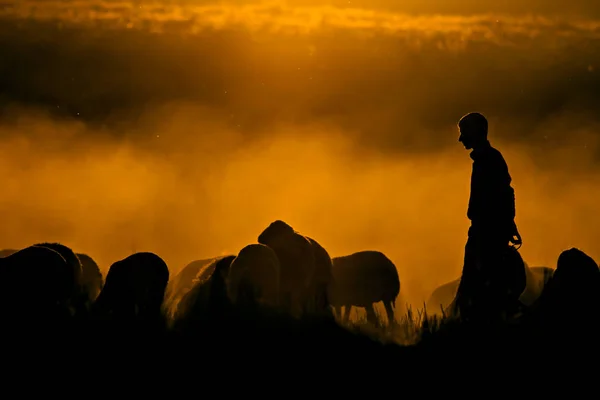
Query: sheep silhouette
x,y
7,252
536,280
573,291
321,280
253,278
81,299
183,281
206,304
69,256
36,283
362,279
92,278
297,261
134,288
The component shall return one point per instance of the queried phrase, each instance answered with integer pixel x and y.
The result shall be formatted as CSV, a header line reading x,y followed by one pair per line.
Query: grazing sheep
x,y
573,291
254,277
573,266
35,282
362,279
204,269
92,277
134,287
545,273
206,302
183,281
566,310
81,299
209,270
322,278
536,279
7,252
297,261
69,256
443,296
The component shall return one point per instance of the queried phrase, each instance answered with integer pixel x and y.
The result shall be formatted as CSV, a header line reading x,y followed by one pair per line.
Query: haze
x,y
185,129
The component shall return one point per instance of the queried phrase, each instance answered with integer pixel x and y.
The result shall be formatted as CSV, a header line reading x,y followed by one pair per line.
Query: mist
x,y
114,140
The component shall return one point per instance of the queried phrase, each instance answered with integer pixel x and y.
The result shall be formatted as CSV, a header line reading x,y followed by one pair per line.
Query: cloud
x,y
105,63
278,17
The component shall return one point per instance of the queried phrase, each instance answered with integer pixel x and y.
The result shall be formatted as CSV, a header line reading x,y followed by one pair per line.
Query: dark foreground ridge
x,y
142,331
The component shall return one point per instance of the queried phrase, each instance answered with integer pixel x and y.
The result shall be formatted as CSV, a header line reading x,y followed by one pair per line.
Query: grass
x,y
308,354
406,330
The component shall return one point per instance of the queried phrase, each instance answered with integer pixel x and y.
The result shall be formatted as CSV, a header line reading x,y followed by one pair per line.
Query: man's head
x,y
473,129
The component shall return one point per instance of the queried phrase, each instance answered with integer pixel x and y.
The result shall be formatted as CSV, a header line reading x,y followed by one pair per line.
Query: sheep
x,y
362,279
35,282
134,287
536,278
254,277
206,302
574,288
545,273
182,282
7,252
568,305
322,278
92,277
442,297
81,299
297,261
69,256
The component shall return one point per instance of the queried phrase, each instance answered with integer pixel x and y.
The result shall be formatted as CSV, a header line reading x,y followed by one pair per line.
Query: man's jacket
x,y
492,200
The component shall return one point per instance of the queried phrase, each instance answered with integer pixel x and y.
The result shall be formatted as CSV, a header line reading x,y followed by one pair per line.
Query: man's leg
x,y
492,279
467,294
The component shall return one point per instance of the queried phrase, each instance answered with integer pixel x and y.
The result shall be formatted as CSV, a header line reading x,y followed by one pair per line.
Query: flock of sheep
x,y
284,271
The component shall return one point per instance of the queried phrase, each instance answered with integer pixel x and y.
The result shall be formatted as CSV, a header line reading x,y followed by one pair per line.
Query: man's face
x,y
466,137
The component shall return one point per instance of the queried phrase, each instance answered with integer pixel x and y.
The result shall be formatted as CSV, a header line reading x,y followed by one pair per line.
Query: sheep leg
x,y
371,315
389,309
346,315
338,312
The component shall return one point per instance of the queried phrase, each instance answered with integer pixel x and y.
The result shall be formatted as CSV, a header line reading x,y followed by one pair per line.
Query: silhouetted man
x,y
487,282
